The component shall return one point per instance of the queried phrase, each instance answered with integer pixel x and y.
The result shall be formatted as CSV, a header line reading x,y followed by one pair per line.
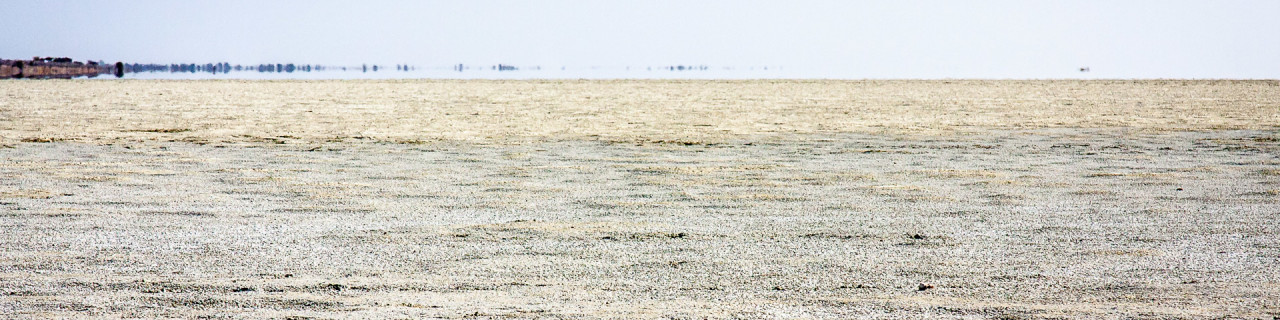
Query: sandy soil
x,y
640,199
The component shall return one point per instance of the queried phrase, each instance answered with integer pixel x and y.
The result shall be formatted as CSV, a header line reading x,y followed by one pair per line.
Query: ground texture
x,y
640,199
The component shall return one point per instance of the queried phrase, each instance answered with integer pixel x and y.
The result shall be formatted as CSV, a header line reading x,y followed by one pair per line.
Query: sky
x,y
992,39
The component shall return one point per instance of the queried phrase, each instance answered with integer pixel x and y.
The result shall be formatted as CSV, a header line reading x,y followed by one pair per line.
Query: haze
x,y
809,39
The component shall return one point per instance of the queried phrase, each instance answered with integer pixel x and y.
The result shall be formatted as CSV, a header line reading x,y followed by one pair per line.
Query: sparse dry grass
x,y
677,113
26,194
639,199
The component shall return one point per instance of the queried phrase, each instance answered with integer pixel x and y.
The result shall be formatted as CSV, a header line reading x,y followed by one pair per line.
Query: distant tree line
x,y
51,67
224,67
12,67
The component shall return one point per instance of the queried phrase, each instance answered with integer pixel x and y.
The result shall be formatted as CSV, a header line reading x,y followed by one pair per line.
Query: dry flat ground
x,y
640,199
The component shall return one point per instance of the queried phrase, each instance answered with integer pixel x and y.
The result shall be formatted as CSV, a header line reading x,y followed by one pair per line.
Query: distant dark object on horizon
x,y
1084,69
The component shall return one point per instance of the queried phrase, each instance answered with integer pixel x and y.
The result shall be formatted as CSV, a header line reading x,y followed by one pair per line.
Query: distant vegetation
x,y
224,67
49,67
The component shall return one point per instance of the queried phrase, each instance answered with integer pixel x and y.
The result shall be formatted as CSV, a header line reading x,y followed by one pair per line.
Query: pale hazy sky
x,y
814,39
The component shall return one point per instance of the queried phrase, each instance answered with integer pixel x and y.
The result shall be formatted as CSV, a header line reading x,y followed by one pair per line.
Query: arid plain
x,y
640,199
